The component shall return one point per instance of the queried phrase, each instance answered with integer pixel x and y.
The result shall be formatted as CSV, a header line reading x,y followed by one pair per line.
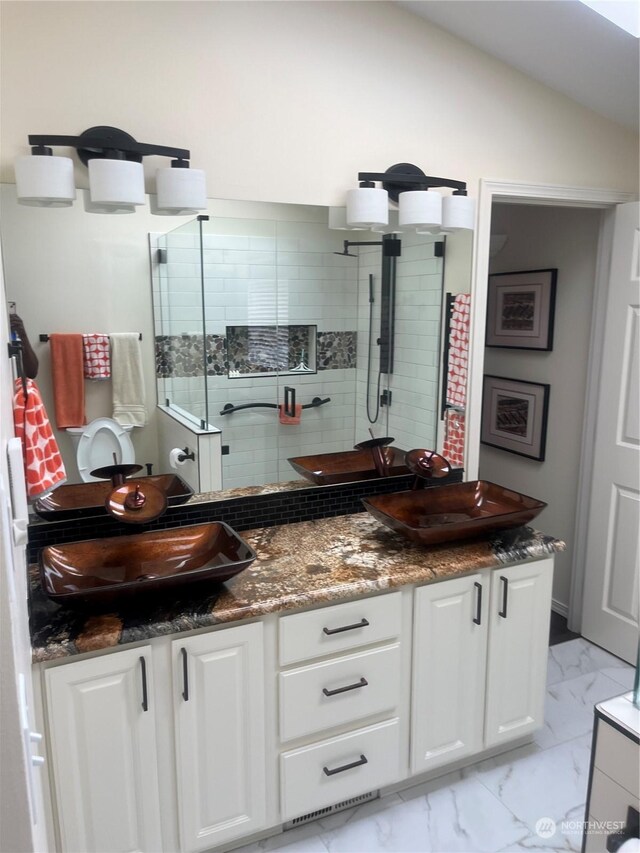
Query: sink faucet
x,y
127,501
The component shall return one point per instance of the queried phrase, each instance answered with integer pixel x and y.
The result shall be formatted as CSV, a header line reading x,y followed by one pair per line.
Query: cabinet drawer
x,y
335,692
336,629
334,770
619,757
609,801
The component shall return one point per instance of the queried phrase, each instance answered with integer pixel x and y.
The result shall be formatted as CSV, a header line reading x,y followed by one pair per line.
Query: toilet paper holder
x,y
187,454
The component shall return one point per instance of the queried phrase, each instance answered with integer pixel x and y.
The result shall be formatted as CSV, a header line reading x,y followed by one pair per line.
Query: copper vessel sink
x,y
101,570
327,469
459,511
85,499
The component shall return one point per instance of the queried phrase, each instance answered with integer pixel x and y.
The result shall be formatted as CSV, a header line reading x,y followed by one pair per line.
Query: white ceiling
x,y
562,43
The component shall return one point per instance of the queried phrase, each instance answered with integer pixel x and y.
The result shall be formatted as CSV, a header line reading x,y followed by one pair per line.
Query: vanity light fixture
x,y
419,206
116,177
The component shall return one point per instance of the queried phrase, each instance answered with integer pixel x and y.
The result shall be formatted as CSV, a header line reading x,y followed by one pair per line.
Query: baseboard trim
x,y
559,607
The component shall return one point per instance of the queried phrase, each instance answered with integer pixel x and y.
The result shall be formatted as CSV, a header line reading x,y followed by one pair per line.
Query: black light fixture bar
x,y
102,141
406,176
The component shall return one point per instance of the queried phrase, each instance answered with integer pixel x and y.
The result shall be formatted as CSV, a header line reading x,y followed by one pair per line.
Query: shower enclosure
x,y
253,314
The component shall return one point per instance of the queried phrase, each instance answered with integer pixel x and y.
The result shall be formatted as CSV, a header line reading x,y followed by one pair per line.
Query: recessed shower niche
x,y
253,312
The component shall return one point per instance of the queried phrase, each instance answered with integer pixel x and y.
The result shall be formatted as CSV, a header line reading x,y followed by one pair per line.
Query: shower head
x,y
345,252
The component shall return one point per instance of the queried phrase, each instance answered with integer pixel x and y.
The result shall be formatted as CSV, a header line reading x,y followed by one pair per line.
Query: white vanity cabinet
x,y
220,737
479,662
351,675
102,730
519,616
197,742
449,665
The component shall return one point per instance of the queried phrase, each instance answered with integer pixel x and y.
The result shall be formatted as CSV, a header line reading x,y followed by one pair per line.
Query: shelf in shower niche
x,y
264,351
347,466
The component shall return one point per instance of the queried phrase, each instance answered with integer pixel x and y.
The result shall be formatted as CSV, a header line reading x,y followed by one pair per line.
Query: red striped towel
x,y
96,356
43,465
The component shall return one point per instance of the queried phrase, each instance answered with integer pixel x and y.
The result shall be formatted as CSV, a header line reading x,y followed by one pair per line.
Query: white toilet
x,y
96,443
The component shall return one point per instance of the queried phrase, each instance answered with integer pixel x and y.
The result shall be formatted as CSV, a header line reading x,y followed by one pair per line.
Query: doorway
x,y
538,237
565,197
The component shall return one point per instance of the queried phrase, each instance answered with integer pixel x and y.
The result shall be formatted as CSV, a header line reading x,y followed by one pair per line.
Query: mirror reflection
x,y
267,339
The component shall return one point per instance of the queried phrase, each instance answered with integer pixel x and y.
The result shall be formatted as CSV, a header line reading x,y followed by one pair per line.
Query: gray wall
x,y
566,238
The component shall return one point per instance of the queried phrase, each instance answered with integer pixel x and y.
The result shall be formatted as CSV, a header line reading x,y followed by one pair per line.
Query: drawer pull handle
x,y
362,683
185,675
145,697
362,760
363,623
505,595
478,617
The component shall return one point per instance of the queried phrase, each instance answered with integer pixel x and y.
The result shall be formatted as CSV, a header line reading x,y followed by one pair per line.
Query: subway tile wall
x,y
268,273
271,274
411,418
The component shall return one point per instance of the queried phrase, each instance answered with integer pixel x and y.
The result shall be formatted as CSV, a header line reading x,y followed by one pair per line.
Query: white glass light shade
x,y
458,213
366,207
420,209
338,219
180,190
392,228
45,181
116,183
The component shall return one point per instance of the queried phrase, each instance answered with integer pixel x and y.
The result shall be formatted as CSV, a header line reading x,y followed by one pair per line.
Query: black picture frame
x,y
521,309
514,416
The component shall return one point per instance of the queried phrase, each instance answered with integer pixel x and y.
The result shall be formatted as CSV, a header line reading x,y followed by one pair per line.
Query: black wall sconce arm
x,y
406,176
105,142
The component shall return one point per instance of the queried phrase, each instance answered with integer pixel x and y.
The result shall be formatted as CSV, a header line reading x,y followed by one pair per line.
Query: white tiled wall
x,y
263,272
411,418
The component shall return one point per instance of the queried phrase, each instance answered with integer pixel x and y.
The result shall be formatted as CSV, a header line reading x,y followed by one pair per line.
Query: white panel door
x,y
102,733
519,613
220,739
610,606
449,662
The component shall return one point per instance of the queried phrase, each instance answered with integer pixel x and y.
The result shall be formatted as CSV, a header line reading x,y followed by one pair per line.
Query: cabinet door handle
x,y
362,683
362,760
143,670
185,675
505,595
478,617
361,624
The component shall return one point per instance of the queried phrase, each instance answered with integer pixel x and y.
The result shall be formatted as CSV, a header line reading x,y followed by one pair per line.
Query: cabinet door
x,y
219,687
102,735
518,649
450,639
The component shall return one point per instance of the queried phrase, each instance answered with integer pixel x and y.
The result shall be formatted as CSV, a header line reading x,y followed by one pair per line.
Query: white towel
x,y
129,401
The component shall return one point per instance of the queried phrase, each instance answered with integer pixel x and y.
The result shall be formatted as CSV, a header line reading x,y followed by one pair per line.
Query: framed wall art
x,y
520,309
514,416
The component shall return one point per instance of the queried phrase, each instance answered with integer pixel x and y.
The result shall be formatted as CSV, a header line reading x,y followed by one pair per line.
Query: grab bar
x,y
229,408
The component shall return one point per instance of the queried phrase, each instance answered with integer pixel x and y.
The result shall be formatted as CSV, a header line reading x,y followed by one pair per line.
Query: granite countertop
x,y
298,565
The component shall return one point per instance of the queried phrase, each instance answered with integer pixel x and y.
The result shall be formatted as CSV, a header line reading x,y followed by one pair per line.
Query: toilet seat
x,y
99,441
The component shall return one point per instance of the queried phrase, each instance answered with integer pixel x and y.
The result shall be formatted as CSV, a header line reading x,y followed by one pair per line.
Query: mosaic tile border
x,y
182,356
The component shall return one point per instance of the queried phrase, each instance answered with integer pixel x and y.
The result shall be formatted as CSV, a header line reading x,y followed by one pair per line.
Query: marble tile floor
x,y
492,806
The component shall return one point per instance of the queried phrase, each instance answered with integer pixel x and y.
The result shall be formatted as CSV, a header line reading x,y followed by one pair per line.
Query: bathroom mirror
x,y
280,305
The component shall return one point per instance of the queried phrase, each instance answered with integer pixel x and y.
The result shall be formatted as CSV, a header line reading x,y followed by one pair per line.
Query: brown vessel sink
x,y
458,511
326,469
84,499
101,570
